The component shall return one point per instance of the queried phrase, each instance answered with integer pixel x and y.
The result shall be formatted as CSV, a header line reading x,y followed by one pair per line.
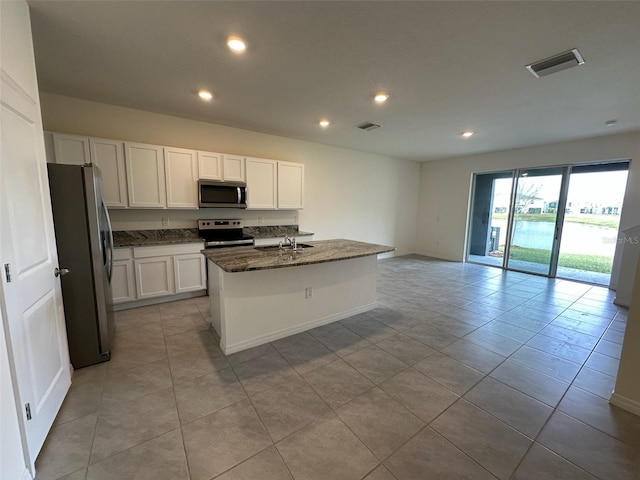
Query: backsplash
x,y
271,231
132,238
156,219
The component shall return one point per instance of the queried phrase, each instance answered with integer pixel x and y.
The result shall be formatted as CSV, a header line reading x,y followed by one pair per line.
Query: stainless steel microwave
x,y
214,194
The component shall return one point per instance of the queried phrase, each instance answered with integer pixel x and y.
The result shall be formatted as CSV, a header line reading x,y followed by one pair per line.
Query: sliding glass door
x,y
518,217
591,222
534,225
490,217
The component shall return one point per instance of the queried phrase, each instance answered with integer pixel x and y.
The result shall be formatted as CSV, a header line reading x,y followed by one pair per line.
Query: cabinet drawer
x,y
122,254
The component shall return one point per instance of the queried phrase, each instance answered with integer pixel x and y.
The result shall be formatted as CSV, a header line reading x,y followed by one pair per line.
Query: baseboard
x,y
436,256
262,339
154,301
625,403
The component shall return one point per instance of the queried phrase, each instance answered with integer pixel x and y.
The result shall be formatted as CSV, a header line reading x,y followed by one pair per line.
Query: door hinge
x,y
7,271
27,408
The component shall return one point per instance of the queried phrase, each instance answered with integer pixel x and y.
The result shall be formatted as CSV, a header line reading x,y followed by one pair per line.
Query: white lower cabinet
x,y
157,272
123,285
189,272
154,277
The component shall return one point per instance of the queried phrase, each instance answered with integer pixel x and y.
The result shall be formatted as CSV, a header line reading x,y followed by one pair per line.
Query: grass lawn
x,y
608,221
590,263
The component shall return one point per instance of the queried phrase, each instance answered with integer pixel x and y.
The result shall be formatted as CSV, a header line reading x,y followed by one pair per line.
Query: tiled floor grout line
x,y
419,305
555,409
380,462
328,406
175,399
273,443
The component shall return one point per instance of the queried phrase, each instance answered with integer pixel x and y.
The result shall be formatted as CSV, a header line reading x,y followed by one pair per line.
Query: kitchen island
x,y
258,295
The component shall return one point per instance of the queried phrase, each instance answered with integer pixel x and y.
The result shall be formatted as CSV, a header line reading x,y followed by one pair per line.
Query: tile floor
x,y
464,371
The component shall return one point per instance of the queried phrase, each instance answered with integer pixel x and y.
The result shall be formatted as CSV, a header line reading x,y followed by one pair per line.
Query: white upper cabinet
x,y
139,175
233,169
145,175
262,177
210,165
71,149
290,185
181,170
108,155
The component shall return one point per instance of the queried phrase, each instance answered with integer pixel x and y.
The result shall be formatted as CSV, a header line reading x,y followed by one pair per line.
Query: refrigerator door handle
x,y
110,238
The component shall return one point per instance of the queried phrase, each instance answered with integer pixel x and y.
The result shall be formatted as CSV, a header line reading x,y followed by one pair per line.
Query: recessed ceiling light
x,y
205,95
324,123
610,123
467,134
381,97
236,44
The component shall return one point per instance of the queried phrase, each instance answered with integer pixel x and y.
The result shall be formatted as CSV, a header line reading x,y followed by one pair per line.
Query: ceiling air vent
x,y
554,64
368,126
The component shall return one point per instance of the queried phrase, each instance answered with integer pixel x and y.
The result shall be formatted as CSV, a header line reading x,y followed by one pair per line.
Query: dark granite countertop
x,y
274,231
244,259
148,238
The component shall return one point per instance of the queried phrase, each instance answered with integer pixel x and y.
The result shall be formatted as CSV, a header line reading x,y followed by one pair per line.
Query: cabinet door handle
x,y
59,272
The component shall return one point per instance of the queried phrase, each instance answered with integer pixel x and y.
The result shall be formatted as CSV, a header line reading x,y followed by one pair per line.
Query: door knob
x,y
59,272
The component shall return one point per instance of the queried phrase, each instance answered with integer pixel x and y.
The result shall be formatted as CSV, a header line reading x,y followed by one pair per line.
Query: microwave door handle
x,y
239,196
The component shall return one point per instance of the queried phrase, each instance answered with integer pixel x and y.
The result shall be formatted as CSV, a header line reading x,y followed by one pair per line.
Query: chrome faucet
x,y
291,242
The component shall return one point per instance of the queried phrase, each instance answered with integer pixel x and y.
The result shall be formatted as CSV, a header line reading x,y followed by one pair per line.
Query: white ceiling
x,y
448,66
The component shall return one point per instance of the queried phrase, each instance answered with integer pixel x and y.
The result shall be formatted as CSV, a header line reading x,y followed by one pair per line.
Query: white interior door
x,y
32,306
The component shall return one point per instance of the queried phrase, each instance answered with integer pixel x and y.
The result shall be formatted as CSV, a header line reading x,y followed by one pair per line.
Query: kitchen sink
x,y
286,248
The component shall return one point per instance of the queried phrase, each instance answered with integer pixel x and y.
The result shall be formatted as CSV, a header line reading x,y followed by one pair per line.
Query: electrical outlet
x,y
308,292
295,219
260,220
165,221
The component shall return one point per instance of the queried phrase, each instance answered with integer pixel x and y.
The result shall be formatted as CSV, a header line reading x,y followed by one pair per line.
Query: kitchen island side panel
x,y
256,307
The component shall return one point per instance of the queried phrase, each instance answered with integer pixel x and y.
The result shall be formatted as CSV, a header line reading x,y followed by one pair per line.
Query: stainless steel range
x,y
223,233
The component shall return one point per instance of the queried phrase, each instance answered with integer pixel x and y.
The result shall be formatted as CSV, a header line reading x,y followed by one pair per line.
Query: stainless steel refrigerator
x,y
85,255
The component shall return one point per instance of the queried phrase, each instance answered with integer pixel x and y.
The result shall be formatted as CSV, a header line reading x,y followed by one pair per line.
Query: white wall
x,y
348,194
627,390
445,188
